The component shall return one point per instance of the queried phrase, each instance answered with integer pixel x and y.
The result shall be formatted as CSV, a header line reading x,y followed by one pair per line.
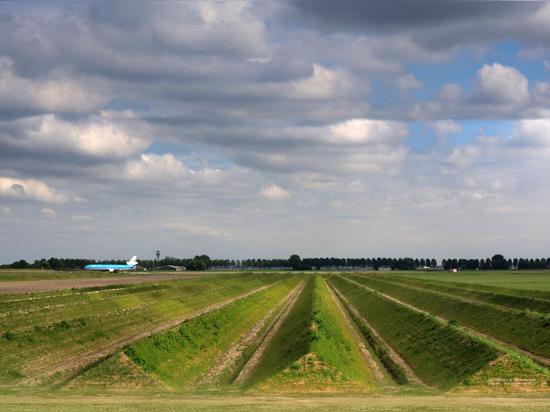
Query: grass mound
x,y
43,330
314,351
441,356
507,374
116,373
180,357
525,331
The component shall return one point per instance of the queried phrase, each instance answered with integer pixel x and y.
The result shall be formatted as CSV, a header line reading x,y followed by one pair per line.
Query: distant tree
x,y
20,264
498,262
295,262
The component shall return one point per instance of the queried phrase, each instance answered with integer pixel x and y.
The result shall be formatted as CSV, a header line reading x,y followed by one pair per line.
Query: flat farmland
x,y
361,338
529,280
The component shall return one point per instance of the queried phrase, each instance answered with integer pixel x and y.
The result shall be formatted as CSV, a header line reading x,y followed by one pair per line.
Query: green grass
x,y
527,332
267,404
379,349
523,280
291,342
473,292
333,342
314,350
441,356
180,357
48,328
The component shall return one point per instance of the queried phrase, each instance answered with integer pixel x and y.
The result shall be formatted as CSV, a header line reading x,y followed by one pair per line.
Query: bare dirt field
x,y
58,284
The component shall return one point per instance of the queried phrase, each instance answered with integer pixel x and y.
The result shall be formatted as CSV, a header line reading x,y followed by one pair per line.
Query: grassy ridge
x,y
333,342
314,350
473,292
441,356
527,332
292,340
42,329
180,357
379,349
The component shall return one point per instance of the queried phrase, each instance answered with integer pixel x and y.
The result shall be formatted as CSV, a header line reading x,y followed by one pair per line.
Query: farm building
x,y
384,268
172,268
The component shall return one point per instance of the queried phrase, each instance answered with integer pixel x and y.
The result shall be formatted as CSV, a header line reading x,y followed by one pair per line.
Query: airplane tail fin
x,y
133,261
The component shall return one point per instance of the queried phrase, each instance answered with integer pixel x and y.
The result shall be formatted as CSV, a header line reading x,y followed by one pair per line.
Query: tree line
x,y
204,262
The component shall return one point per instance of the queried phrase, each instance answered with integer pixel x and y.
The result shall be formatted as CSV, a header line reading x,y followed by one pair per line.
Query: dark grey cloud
x,y
432,24
405,14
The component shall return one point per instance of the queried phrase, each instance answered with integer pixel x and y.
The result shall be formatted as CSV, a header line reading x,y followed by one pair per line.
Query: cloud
x,y
499,84
322,84
274,192
199,230
450,92
82,218
48,213
446,127
359,131
44,95
409,82
498,91
155,167
102,136
29,189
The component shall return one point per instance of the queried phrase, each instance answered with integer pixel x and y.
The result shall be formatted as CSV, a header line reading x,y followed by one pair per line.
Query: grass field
x,y
226,341
530,280
279,403
531,333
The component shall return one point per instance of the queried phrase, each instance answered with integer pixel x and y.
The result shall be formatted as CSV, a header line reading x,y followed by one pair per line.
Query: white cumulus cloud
x,y
275,192
155,167
500,84
102,136
44,95
29,189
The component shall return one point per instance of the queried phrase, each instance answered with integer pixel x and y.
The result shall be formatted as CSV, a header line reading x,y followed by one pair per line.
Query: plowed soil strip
x,y
373,365
471,332
409,371
256,357
234,352
59,284
80,361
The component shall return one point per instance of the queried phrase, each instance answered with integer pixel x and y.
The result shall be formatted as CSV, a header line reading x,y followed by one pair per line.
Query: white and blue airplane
x,y
130,265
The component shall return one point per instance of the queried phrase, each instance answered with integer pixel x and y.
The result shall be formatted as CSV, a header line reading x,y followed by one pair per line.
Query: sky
x,y
260,129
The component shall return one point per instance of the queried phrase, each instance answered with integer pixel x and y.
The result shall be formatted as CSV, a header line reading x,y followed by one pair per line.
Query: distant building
x,y
384,268
172,268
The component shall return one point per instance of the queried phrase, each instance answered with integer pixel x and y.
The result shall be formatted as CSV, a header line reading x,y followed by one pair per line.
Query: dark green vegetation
x,y
42,333
441,356
528,332
539,302
379,348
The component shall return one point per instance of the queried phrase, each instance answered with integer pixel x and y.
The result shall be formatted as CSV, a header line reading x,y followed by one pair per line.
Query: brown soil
x,y
27,286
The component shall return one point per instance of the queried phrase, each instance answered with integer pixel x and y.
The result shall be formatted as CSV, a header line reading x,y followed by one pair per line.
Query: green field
x,y
530,280
379,339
